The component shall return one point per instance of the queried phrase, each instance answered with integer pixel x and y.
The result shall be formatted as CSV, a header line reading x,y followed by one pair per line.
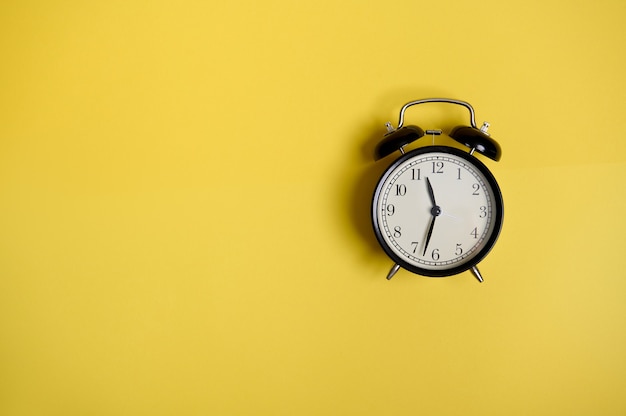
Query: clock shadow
x,y
360,198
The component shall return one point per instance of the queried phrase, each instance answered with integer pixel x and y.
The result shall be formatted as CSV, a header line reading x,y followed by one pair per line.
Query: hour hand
x,y
431,193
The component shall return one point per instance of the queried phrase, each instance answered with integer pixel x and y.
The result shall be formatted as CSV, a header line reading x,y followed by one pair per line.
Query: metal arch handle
x,y
438,100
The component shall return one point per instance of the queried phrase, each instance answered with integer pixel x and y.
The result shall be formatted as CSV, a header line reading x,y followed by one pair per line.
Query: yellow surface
x,y
184,197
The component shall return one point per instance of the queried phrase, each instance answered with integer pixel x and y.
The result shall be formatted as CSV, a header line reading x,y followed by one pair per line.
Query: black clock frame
x,y
498,219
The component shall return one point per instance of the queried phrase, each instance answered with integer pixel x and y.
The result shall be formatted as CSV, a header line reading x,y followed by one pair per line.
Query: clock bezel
x,y
498,216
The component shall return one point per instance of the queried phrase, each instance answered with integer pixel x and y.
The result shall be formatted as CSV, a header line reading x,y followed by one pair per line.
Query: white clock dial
x,y
437,211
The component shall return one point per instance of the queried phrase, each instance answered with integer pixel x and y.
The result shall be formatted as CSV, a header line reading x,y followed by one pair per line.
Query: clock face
x,y
437,211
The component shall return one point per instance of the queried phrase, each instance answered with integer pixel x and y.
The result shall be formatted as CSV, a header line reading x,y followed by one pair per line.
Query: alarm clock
x,y
437,210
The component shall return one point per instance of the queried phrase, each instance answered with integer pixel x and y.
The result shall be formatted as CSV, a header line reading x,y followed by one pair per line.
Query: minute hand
x,y
430,233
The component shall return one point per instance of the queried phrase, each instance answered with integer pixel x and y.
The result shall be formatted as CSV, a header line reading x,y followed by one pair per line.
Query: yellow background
x,y
184,208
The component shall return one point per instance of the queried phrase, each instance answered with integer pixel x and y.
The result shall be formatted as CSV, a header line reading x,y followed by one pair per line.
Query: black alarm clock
x,y
437,210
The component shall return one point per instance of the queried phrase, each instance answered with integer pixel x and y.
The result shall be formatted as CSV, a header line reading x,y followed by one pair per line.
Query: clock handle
x,y
438,100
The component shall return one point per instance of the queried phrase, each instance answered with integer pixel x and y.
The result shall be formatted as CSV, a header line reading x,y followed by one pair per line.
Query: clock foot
x,y
477,274
393,271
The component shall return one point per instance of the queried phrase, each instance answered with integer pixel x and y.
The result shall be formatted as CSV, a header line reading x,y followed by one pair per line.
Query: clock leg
x,y
393,271
477,274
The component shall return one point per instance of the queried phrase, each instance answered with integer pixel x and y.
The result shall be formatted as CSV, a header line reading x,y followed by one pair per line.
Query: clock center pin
x,y
435,211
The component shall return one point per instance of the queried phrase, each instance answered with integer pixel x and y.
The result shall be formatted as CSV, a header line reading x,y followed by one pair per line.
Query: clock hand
x,y
435,211
431,193
430,233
